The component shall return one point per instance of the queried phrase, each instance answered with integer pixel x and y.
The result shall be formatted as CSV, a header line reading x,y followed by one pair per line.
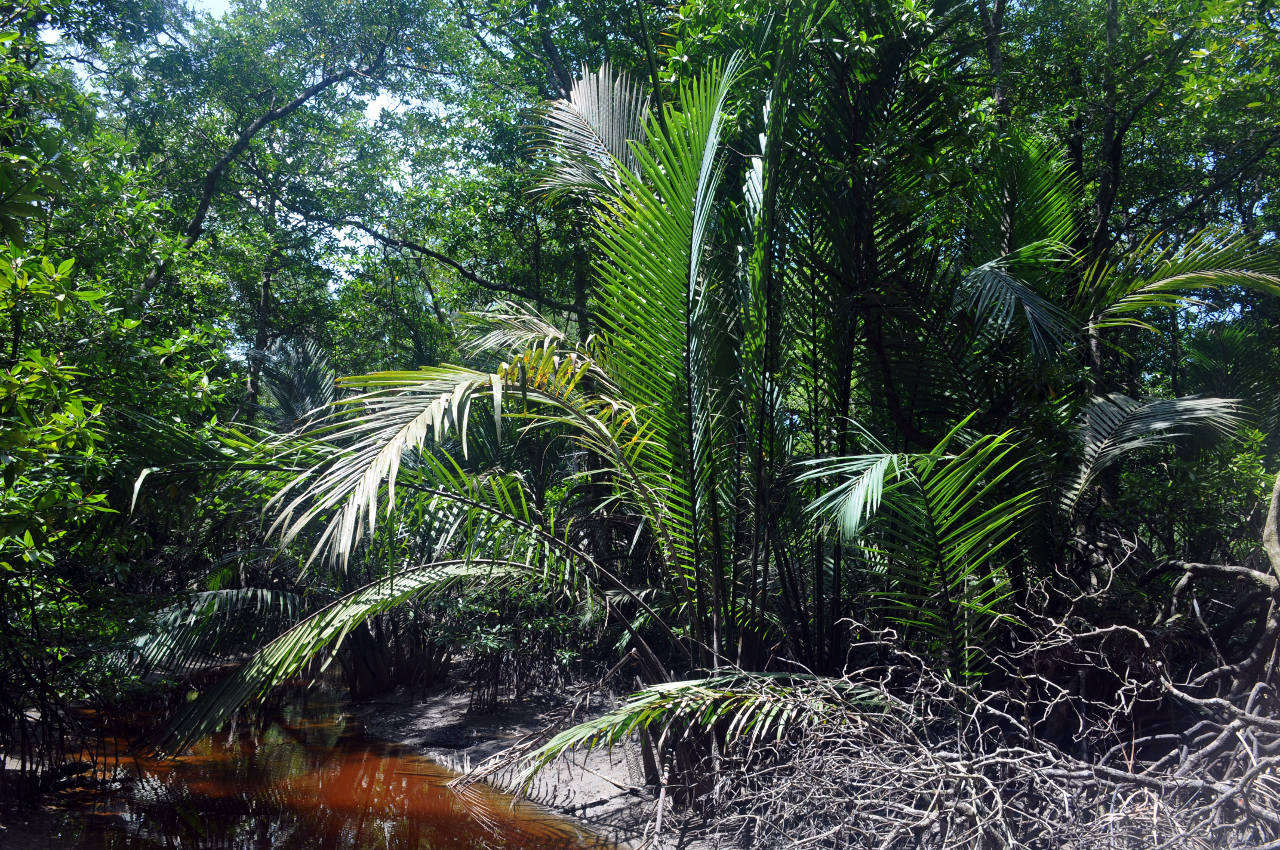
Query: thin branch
x,y
213,177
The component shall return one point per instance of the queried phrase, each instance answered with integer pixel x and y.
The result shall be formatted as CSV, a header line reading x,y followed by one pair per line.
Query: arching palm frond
x,y
288,655
1232,360
993,294
366,438
945,521
508,328
376,442
199,629
1023,209
1112,425
1154,278
298,381
588,135
748,707
857,498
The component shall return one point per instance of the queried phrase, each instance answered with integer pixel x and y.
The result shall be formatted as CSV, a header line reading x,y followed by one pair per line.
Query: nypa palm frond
x,y
748,707
994,295
652,297
1151,277
508,327
945,522
857,498
1026,193
588,135
1232,360
366,438
1112,425
202,627
298,381
291,652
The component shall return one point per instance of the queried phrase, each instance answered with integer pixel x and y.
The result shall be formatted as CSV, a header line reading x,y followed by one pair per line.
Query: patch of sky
x,y
216,8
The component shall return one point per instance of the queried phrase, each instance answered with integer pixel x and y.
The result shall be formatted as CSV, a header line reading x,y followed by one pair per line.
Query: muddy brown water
x,y
306,777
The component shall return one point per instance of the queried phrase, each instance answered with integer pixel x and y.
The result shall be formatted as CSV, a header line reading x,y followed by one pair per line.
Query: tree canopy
x,y
872,366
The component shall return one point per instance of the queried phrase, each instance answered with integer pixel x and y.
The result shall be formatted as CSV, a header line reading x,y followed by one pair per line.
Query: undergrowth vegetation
x,y
908,448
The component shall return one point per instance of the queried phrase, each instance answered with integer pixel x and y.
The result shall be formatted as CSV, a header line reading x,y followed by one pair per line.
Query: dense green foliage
x,y
704,340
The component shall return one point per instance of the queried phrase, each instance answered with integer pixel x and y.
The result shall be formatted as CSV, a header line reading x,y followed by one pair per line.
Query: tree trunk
x,y
259,341
581,284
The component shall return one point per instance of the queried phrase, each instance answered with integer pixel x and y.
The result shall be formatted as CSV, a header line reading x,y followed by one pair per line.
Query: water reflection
x,y
305,779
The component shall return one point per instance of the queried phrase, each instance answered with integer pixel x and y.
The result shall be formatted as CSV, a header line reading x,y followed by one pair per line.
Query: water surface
x,y
306,777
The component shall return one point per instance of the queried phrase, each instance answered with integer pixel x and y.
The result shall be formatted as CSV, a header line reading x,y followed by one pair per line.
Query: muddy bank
x,y
604,790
